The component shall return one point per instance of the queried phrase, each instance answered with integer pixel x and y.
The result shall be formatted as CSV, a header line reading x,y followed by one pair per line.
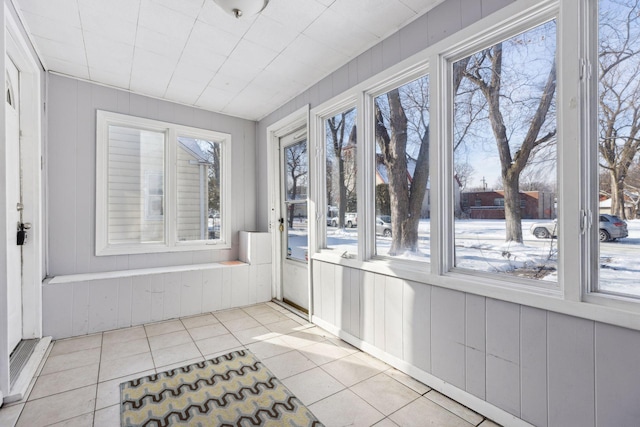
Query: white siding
x,y
192,197
136,160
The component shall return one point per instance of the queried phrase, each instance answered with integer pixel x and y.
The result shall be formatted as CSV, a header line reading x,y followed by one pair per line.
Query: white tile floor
x,y
78,382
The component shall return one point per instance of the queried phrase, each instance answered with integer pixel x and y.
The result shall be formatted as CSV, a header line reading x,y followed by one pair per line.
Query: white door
x,y
14,203
294,221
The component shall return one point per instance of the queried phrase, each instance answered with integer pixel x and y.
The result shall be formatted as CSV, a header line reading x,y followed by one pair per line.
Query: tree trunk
x,y
512,166
405,198
512,213
617,194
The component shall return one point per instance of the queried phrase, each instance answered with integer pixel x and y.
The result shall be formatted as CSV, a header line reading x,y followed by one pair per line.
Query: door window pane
x,y
505,161
618,144
342,199
402,171
297,232
296,186
135,185
198,189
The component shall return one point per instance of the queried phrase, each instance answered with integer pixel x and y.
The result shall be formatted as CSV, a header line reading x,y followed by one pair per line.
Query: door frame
x,y
18,49
296,120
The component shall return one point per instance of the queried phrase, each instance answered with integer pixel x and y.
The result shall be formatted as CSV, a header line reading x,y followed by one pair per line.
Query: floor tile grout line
x,y
324,337
95,401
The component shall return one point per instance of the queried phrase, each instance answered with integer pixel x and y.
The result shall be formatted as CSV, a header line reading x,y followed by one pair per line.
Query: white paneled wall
x,y
84,304
81,304
71,175
545,368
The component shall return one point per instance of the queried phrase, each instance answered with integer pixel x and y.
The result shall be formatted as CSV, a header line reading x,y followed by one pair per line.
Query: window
x,y
160,186
341,173
504,143
401,121
618,144
198,184
522,209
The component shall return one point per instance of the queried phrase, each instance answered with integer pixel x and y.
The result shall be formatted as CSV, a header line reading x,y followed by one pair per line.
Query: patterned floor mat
x,y
231,390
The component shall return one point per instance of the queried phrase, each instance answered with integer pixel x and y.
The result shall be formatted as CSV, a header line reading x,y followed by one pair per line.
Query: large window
x,y
401,121
160,186
341,171
513,168
618,141
505,161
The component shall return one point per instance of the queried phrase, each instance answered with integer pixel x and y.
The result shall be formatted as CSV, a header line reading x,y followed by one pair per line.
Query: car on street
x,y
350,220
383,225
610,228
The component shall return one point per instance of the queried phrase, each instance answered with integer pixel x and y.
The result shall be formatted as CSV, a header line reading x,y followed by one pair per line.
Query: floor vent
x,y
20,357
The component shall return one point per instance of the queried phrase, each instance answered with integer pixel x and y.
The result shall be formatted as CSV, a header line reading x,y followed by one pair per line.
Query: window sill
x,y
154,249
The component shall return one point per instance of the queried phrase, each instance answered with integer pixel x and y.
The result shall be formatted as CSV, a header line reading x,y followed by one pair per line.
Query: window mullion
x,y
440,161
365,186
171,151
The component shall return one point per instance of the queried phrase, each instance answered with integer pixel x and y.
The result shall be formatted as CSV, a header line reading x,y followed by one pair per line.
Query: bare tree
x,y
619,96
516,109
464,172
337,128
295,156
406,201
402,136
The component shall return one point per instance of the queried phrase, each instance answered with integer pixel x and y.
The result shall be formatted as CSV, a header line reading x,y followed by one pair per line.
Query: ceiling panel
x,y
119,60
192,52
271,34
298,14
379,17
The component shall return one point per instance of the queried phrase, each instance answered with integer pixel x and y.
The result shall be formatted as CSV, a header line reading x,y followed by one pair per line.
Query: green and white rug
x,y
231,390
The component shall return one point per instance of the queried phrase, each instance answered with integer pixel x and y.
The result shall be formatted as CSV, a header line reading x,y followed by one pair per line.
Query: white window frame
x,y
172,131
317,135
516,24
418,70
587,29
575,293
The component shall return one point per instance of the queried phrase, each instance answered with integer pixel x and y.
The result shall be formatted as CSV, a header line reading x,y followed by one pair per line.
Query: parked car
x,y
350,220
383,225
610,228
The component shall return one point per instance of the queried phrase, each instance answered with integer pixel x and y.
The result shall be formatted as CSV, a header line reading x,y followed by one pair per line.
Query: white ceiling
x,y
191,52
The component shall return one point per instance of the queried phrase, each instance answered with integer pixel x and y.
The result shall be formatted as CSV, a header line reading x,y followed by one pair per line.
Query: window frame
x,y
576,51
588,29
317,144
171,132
409,74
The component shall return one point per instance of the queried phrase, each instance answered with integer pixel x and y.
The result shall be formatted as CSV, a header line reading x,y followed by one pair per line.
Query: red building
x,y
490,204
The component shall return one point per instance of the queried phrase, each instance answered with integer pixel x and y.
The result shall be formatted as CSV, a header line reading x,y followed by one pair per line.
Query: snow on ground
x,y
480,246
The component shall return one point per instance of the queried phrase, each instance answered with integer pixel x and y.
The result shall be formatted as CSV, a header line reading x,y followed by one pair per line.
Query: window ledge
x,y
139,272
160,248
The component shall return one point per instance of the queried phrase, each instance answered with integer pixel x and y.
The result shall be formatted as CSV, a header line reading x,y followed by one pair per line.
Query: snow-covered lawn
x,y
480,246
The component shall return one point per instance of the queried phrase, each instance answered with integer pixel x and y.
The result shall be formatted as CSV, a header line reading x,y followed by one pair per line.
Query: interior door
x,y
294,221
14,203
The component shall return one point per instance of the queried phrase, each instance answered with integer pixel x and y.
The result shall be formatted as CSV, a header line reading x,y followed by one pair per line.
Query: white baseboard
x,y
475,403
